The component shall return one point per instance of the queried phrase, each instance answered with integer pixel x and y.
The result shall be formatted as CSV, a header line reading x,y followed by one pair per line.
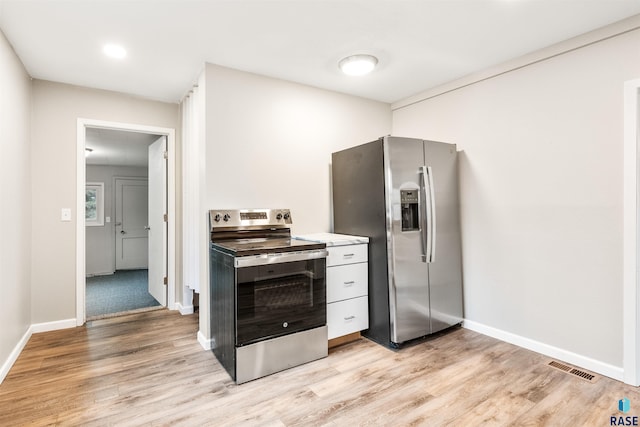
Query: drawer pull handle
x,y
349,283
348,255
350,318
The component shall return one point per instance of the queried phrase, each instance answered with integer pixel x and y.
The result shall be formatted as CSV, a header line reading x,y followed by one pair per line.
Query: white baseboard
x,y
615,372
104,273
33,329
53,326
6,366
184,310
204,342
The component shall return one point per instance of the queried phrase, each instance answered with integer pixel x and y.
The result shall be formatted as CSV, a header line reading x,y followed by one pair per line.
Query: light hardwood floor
x,y
148,369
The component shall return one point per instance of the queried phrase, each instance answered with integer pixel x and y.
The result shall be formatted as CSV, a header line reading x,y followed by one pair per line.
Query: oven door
x,y
282,294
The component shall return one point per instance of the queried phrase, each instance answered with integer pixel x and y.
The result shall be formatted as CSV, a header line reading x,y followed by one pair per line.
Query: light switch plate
x,y
65,214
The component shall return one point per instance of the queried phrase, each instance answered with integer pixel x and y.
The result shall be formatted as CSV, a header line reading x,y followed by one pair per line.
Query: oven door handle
x,y
279,258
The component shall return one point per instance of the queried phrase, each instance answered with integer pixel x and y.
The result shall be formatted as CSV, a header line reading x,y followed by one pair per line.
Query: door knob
x,y
123,232
146,227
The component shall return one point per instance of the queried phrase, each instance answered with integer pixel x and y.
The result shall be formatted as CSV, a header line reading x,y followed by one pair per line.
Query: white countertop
x,y
331,239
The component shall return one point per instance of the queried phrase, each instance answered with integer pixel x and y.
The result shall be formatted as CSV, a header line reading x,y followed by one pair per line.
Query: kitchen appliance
x,y
403,194
268,293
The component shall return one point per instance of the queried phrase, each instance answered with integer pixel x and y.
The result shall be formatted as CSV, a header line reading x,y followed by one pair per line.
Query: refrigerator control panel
x,y
409,196
409,210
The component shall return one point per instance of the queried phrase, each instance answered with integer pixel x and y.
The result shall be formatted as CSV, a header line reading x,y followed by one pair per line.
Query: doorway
x,y
119,265
137,210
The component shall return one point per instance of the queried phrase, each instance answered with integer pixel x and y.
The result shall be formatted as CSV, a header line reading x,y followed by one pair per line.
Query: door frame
x,y
82,125
631,236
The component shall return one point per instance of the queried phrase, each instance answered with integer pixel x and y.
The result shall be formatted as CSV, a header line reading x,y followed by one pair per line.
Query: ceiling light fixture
x,y
358,65
114,51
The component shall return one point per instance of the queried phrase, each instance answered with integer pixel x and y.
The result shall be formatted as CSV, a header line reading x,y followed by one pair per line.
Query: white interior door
x,y
157,224
131,223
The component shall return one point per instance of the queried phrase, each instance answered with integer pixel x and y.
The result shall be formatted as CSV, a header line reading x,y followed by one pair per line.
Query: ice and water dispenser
x,y
409,210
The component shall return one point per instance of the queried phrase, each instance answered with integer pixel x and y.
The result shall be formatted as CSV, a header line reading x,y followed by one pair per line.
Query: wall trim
x,y
578,360
631,238
8,364
184,310
33,329
613,30
53,326
206,343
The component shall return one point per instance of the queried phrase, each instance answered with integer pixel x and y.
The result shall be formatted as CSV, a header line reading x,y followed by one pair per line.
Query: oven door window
x,y
280,299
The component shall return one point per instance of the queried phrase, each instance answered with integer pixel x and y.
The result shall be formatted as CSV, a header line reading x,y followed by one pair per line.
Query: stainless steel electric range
x,y
268,293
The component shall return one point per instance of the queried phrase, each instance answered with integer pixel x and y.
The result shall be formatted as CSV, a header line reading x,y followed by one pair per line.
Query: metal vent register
x,y
571,370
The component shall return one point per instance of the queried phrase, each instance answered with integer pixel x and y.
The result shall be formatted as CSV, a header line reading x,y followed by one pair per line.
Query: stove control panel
x,y
240,218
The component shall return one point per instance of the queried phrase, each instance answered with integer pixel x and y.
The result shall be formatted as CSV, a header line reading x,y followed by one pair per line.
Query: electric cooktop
x,y
247,247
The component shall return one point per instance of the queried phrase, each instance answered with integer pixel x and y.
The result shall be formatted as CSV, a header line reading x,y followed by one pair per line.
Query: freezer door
x,y
359,209
408,273
445,270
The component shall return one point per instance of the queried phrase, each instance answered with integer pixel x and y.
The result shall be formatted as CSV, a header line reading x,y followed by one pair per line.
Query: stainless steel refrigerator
x,y
403,194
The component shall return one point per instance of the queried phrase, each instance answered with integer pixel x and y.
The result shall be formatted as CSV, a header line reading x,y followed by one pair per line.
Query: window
x,y
94,204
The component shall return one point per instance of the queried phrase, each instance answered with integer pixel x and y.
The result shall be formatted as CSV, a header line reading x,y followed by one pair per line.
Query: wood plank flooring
x,y
148,369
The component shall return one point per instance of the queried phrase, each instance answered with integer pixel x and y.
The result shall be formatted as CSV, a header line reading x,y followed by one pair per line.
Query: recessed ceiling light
x,y
358,65
114,51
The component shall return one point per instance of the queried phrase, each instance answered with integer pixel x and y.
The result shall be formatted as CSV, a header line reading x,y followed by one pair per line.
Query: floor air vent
x,y
560,366
571,370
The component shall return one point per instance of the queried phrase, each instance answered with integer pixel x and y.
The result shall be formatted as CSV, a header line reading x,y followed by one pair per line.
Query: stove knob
x,y
217,217
226,217
287,215
279,216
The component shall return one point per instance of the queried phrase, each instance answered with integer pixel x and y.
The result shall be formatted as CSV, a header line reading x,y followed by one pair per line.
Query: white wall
x,y
56,108
15,194
269,144
541,188
100,240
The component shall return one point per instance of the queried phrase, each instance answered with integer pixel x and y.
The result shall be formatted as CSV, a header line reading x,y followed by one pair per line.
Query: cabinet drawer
x,y
349,254
346,281
348,316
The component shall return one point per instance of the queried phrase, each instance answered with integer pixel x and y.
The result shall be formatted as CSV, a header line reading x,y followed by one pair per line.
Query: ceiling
x,y
117,147
420,44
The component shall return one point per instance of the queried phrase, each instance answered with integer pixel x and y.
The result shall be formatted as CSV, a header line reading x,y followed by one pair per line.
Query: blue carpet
x,y
125,290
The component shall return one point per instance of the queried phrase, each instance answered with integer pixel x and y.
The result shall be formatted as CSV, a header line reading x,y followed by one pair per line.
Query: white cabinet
x,y
347,290
347,283
347,316
348,254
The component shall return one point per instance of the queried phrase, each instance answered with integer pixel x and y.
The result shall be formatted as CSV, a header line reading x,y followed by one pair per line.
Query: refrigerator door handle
x,y
424,213
429,222
432,216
